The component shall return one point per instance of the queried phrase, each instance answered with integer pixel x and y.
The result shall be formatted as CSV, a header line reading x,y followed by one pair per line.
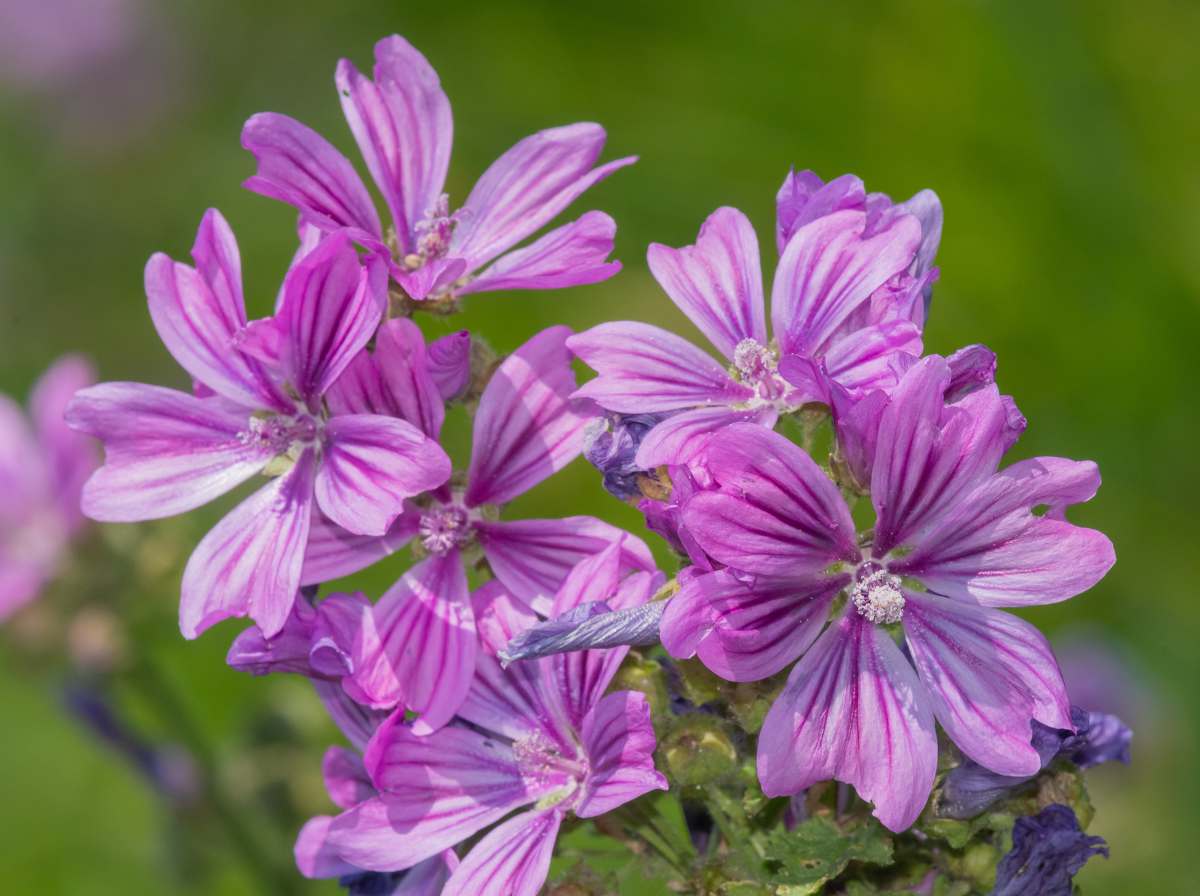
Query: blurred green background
x,y
1061,138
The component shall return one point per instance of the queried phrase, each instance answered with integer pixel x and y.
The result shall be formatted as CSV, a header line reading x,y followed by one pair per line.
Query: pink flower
x,y
43,465
401,121
260,409
954,538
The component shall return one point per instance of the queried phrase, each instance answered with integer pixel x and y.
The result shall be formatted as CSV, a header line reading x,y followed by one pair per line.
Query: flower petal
x,y
804,197
371,464
619,741
643,369
166,451
423,656
404,129
333,552
527,186
992,549
393,380
449,362
777,513
853,710
828,270
682,437
331,307
315,856
298,166
717,282
346,779
873,357
249,564
989,674
572,255
533,557
526,426
512,860
70,456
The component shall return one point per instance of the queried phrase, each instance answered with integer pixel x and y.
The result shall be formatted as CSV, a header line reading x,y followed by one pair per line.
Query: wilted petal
x,y
249,564
804,197
717,282
645,369
619,741
777,513
682,437
370,465
449,360
425,654
404,129
526,426
166,451
572,255
853,710
333,552
828,270
761,625
589,626
533,557
971,367
1048,850
512,860
992,549
989,675
527,186
393,380
298,166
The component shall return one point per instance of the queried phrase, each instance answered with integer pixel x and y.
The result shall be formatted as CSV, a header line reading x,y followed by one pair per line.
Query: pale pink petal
x,y
572,255
370,465
777,513
527,426
404,129
449,361
533,557
992,549
166,451
526,187
853,710
989,674
512,860
828,270
331,307
643,369
249,564
298,166
425,654
682,437
619,741
394,379
333,552
70,456
717,282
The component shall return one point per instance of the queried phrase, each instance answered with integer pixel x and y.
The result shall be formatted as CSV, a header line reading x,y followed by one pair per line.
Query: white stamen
x,y
878,598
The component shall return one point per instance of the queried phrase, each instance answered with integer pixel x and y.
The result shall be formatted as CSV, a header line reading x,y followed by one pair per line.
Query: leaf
x,y
804,859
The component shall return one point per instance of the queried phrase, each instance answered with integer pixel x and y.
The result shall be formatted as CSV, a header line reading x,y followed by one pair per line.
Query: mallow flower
x,y
534,743
43,465
260,408
402,123
847,304
417,645
954,539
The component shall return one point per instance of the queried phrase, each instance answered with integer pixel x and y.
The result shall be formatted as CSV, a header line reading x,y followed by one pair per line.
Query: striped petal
x,y
512,860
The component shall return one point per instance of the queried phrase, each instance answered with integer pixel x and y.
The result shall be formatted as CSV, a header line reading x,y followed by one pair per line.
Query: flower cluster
x,y
870,560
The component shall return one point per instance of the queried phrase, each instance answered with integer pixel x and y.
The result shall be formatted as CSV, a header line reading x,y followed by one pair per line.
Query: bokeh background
x,y
1061,137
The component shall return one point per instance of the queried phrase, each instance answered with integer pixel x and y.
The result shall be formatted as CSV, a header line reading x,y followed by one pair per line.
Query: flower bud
x,y
699,751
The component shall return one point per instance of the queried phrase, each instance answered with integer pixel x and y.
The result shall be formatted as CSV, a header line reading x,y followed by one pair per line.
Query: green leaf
x,y
801,861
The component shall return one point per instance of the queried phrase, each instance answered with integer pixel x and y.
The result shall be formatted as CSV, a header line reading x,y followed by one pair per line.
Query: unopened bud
x,y
699,751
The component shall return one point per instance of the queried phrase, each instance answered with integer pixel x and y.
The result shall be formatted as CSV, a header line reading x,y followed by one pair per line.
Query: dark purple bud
x,y
1099,737
1048,850
611,444
589,626
371,883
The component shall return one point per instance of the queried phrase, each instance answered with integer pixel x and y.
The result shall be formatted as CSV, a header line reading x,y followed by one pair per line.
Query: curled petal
x,y
449,360
804,197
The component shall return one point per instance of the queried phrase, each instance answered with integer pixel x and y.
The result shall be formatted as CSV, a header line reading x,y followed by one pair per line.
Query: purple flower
x,y
43,465
954,538
402,124
539,737
1048,850
845,305
260,408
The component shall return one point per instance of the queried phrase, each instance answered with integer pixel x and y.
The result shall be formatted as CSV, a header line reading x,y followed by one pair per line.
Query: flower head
x,y
402,123
43,465
260,407
846,312
954,538
1048,850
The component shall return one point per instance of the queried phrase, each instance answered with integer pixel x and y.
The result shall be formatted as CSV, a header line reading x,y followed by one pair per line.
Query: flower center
x,y
756,365
284,436
433,233
542,764
443,528
877,595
